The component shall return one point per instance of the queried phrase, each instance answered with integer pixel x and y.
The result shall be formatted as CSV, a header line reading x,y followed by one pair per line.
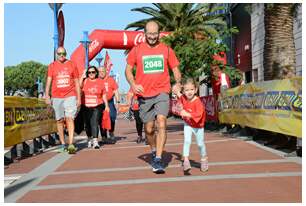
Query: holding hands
x,y
176,89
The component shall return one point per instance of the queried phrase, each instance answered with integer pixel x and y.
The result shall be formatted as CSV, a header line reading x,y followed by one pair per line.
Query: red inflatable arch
x,y
109,39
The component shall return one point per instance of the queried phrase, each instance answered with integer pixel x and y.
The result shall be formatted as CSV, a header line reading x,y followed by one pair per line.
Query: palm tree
x,y
177,16
279,49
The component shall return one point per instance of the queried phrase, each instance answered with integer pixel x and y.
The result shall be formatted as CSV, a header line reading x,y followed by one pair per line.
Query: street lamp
x,y
55,7
99,59
85,42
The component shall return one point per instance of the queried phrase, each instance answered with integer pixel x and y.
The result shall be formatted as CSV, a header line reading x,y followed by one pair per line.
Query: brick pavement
x,y
240,171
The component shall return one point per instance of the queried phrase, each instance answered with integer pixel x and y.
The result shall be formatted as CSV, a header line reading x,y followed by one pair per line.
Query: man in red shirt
x,y
63,75
111,88
152,85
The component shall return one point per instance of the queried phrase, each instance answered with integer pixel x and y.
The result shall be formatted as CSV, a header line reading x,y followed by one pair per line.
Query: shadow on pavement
x,y
167,157
16,187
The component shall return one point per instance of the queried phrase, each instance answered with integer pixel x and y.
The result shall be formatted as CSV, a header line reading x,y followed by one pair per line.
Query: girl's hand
x,y
176,89
183,113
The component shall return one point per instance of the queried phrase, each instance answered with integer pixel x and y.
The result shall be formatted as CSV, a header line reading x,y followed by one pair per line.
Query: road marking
x,y
170,166
167,145
27,182
168,179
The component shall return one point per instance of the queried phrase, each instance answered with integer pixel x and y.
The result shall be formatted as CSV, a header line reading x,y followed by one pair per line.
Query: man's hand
x,y
137,88
78,103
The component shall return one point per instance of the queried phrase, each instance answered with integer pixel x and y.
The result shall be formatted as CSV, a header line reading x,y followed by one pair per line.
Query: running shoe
x,y
112,137
62,148
153,155
204,165
139,140
72,149
95,143
186,166
89,143
157,166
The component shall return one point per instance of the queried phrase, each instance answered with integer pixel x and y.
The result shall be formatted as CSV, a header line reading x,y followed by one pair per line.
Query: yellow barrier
x,y
270,105
25,119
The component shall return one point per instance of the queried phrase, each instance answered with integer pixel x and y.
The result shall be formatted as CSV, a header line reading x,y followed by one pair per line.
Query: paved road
x,y
240,171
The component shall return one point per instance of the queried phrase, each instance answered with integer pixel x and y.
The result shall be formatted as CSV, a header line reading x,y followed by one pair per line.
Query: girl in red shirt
x,y
95,101
193,113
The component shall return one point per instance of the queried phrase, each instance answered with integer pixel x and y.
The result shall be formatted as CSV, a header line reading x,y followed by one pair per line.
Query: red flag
x,y
107,63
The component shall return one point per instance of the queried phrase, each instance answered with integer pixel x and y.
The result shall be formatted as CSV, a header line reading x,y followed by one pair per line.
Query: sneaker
x,y
62,148
71,149
153,155
112,136
104,140
186,166
204,165
139,139
89,143
157,166
95,143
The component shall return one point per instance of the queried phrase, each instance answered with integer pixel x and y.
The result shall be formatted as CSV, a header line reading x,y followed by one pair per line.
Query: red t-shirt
x,y
110,86
197,111
152,67
63,76
93,92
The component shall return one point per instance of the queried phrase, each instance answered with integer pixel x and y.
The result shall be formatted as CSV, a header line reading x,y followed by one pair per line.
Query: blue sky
x,y
29,27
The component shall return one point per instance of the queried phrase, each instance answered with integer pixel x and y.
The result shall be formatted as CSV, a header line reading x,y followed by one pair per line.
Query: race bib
x,y
63,81
153,64
91,100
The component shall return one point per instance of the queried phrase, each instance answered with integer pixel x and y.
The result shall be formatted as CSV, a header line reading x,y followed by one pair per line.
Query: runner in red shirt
x,y
193,113
152,86
132,99
95,102
111,89
63,75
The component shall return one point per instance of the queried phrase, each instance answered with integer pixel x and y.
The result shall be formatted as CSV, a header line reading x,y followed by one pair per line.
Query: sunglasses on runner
x,y
61,53
91,72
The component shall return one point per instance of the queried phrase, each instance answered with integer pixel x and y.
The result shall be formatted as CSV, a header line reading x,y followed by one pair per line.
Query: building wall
x,y
258,40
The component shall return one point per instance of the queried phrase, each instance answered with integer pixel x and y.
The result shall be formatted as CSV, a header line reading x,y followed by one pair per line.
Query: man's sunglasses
x,y
61,53
91,72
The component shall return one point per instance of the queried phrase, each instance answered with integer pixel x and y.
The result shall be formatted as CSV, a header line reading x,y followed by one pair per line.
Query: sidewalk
x,y
240,171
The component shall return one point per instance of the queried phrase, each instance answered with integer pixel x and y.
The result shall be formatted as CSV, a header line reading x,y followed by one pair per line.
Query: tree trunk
x,y
279,49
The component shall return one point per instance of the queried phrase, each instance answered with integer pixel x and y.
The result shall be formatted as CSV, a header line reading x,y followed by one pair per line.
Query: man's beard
x,y
155,41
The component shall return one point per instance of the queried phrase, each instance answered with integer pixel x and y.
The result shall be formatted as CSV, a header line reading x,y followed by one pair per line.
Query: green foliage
x,y
23,77
196,55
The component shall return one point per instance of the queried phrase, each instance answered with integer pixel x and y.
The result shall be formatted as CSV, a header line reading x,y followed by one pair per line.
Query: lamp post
x,y
55,7
99,59
85,42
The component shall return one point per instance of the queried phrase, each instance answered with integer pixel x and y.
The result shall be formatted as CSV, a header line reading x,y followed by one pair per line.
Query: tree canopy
x,y
23,77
